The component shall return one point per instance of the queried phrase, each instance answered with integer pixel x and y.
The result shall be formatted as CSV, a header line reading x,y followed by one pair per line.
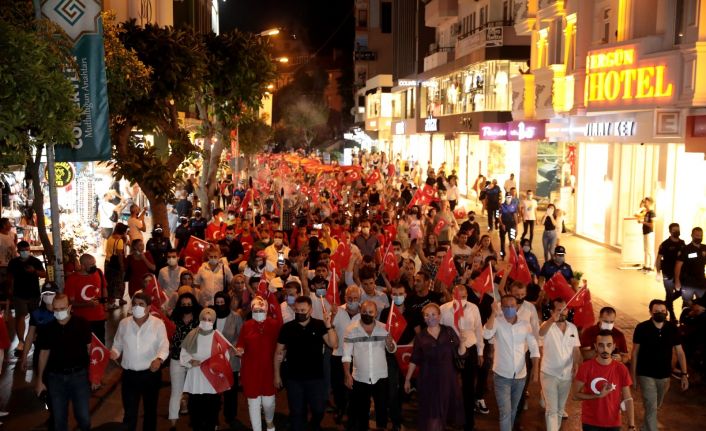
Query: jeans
x,y
140,385
509,230
255,407
230,400
340,391
653,392
492,218
177,375
670,296
648,245
507,394
549,239
555,392
203,409
360,404
688,293
74,387
468,386
303,393
528,225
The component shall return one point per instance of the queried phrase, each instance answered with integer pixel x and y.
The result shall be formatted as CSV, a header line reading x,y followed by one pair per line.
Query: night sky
x,y
313,21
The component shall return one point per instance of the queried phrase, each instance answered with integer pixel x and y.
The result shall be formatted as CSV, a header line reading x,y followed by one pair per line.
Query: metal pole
x,y
54,208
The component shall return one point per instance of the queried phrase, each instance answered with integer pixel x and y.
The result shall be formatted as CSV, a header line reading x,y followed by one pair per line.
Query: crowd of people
x,y
346,285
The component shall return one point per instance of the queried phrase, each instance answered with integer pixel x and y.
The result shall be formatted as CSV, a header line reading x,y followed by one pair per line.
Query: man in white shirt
x,y
526,311
528,211
292,289
213,276
562,356
371,292
510,183
364,347
513,338
469,329
276,249
170,276
141,346
345,315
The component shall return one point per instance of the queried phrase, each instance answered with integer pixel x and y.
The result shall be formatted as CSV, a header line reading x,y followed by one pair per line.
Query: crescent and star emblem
x,y
596,381
84,296
101,354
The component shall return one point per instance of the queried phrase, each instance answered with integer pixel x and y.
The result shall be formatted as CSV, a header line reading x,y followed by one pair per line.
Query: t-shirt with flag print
x,y
602,412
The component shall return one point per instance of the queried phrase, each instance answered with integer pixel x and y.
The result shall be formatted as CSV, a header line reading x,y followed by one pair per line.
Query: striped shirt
x,y
366,352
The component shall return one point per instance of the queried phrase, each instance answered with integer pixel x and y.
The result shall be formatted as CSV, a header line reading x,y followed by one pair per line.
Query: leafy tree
x,y
305,121
253,136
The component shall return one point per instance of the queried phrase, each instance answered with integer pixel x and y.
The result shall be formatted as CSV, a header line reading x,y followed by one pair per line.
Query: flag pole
x,y
572,298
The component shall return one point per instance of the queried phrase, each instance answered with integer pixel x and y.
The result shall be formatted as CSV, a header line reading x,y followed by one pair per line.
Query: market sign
x,y
64,174
513,131
617,77
611,128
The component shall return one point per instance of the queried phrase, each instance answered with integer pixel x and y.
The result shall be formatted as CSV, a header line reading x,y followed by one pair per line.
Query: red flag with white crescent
x,y
341,257
159,297
440,225
99,357
169,324
389,262
216,368
458,308
519,271
404,356
396,323
484,282
374,177
352,177
447,270
193,254
558,287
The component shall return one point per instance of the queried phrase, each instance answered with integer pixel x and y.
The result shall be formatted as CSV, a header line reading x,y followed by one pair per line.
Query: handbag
x,y
114,260
114,217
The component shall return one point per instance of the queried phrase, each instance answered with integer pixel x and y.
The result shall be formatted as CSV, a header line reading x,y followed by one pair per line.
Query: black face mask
x,y
519,300
301,317
367,319
222,311
92,269
471,218
186,309
676,234
659,317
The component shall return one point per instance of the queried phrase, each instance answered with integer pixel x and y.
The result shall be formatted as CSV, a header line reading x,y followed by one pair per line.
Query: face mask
x,y
365,230
205,326
291,299
659,317
213,262
320,293
187,309
172,261
509,313
607,326
432,322
138,312
24,254
559,260
277,242
398,299
301,317
259,316
222,311
231,217
230,237
367,319
353,305
526,249
471,218
519,300
676,234
61,315
48,298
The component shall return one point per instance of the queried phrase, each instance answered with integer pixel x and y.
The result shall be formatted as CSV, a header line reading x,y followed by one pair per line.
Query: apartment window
x,y
363,18
558,42
482,16
507,11
386,17
473,22
606,25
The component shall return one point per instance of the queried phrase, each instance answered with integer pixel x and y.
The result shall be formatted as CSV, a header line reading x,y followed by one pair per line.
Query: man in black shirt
x,y
63,365
654,341
182,234
665,263
689,270
24,274
472,228
492,205
421,297
198,224
301,343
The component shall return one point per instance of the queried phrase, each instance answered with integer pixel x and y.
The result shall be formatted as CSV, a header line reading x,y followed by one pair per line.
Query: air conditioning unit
x,y
456,29
433,47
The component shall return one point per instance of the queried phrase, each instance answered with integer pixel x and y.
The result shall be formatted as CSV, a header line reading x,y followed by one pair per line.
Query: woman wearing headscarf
x,y
229,323
256,348
204,401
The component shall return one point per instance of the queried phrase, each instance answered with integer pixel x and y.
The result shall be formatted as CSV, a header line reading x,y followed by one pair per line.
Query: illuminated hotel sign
x,y
611,128
618,77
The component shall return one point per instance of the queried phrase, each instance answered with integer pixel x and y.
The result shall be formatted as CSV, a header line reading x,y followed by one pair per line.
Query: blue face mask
x,y
509,313
291,299
320,293
398,299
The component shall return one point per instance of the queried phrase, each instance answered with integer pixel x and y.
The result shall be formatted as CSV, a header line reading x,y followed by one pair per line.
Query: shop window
x,y
386,17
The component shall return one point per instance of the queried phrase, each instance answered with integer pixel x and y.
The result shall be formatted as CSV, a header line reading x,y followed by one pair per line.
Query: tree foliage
x,y
253,135
304,121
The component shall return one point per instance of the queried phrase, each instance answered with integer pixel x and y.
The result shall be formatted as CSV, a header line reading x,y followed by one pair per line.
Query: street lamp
x,y
283,60
269,32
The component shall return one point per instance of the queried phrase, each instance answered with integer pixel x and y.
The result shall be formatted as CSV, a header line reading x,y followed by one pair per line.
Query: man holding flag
x,y
464,318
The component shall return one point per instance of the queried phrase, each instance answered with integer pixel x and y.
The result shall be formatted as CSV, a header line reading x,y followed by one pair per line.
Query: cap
x,y
197,210
158,228
560,250
49,287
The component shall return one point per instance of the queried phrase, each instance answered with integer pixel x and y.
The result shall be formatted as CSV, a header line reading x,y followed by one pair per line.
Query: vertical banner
x,y
82,22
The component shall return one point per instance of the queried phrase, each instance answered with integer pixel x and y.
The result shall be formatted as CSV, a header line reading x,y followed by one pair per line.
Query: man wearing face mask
x,y
303,341
86,290
689,270
557,264
292,290
654,342
513,338
158,246
277,250
317,288
527,312
364,366
24,273
665,264
140,346
366,243
170,276
606,322
472,228
197,225
509,215
213,276
64,346
346,314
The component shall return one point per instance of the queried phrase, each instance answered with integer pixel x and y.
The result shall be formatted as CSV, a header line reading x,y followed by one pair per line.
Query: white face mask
x,y
259,316
172,261
24,254
365,230
607,326
61,315
213,262
278,242
138,312
48,298
205,326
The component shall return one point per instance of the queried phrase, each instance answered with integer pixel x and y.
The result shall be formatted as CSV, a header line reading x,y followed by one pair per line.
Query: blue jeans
x,y
507,394
73,387
303,393
549,239
688,292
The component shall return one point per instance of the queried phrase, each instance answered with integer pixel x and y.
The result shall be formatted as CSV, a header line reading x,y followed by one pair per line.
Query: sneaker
x,y
481,407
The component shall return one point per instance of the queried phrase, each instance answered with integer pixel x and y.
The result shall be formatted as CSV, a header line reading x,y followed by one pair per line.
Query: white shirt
x,y
211,281
366,352
287,312
316,310
471,325
511,344
340,324
509,184
379,298
528,313
105,211
271,254
558,358
529,209
196,382
169,278
140,345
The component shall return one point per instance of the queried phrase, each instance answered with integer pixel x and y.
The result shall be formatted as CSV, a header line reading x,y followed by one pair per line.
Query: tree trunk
x,y
159,210
38,202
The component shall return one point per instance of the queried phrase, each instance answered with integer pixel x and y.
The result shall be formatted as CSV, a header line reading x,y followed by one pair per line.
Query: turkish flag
x,y
159,297
583,308
389,262
246,201
428,193
262,287
440,225
484,282
193,254
217,368
579,298
246,241
519,271
447,271
169,325
374,177
460,213
274,310
396,323
332,291
558,287
304,190
352,177
4,336
100,355
331,184
458,308
341,257
390,233
403,356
